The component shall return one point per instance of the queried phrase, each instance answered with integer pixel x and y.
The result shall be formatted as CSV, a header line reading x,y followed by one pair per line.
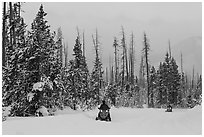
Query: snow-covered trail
x,y
125,121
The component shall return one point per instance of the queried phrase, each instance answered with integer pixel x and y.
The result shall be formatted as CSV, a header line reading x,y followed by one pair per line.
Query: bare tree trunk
x,y
78,34
61,53
110,70
83,45
132,59
169,49
181,63
112,73
146,48
19,9
10,23
125,53
97,54
193,79
14,24
66,55
130,65
141,73
4,36
123,68
106,75
96,44
115,45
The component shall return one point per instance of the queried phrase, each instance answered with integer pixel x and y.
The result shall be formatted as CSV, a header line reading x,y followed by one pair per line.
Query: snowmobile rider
x,y
104,113
104,106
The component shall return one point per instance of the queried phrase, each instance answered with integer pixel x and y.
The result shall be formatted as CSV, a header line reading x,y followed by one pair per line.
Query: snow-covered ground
x,y
125,121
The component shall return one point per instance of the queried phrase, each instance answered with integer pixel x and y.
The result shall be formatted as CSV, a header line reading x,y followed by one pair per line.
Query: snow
x,y
38,86
50,84
125,121
31,57
12,57
30,96
47,82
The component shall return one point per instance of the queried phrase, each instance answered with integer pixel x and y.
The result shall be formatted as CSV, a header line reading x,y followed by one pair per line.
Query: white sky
x,y
161,21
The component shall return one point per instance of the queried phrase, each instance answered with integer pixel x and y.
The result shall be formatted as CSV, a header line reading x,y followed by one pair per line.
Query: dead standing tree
x,y
146,53
131,54
125,54
115,45
4,36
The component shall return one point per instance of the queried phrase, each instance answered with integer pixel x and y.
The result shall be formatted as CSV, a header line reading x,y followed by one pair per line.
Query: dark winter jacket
x,y
104,107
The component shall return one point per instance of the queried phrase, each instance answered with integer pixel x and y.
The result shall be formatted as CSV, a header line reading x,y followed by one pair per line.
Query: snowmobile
x,y
169,108
103,115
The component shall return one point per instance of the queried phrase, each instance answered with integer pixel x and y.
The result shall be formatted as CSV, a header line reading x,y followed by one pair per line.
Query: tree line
x,y
36,71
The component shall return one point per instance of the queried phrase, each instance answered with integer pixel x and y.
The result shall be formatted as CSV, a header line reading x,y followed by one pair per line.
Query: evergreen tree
x,y
152,84
175,90
14,74
160,87
168,82
198,93
96,81
43,62
167,78
77,78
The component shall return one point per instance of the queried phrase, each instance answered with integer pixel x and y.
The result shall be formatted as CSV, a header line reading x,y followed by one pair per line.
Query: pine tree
x,y
198,93
77,78
41,44
97,72
176,96
160,86
167,77
14,73
43,64
152,85
169,82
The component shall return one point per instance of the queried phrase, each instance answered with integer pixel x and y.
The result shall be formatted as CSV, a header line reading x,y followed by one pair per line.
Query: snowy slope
x,y
125,121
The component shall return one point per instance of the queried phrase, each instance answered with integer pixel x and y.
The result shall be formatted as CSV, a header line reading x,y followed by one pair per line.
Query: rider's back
x,y
104,107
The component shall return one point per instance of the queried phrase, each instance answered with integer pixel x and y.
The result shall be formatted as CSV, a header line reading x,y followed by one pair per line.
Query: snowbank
x,y
125,121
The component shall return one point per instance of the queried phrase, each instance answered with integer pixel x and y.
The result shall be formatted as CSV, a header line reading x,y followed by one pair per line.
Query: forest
x,y
36,71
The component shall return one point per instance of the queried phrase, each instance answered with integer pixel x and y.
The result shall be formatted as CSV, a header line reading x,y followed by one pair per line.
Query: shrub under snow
x,y
42,111
5,112
38,86
30,96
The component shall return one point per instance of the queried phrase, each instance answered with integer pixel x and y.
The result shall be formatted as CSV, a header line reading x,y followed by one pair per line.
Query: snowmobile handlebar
x,y
105,109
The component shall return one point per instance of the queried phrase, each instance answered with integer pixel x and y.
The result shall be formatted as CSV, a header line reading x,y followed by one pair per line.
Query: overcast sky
x,y
160,21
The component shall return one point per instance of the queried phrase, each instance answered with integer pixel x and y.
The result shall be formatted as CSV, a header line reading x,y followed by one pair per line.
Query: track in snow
x,y
125,121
